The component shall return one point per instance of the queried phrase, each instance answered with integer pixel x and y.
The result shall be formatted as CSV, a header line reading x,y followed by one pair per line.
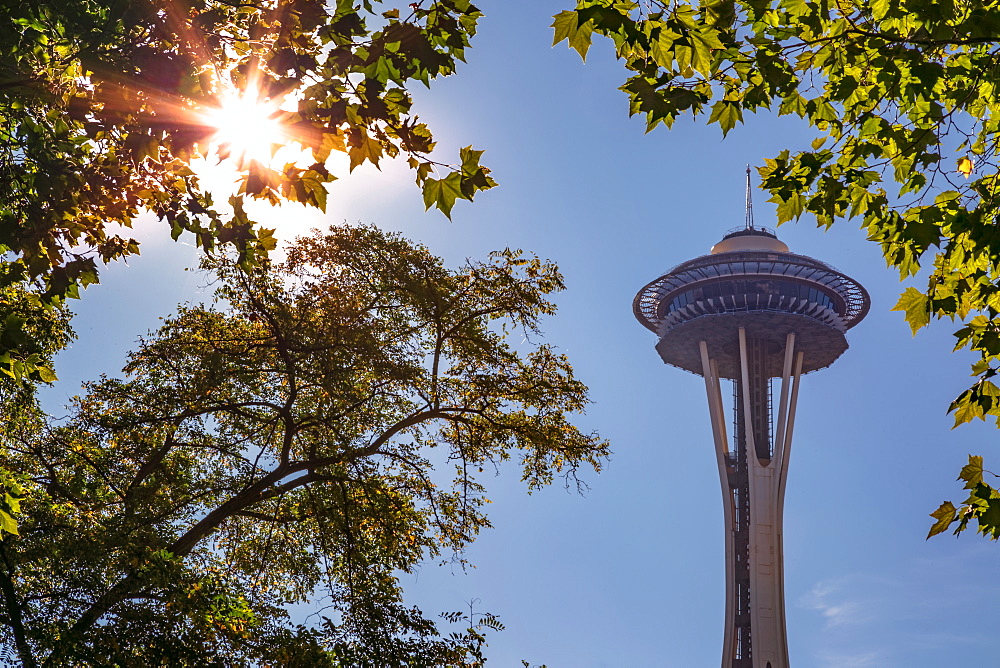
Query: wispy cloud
x,y
827,597
888,620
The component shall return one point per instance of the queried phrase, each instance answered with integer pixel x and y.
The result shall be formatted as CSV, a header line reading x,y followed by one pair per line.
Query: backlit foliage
x,y
327,425
103,105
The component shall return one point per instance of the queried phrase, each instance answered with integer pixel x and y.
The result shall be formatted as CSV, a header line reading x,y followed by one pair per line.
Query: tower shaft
x,y
753,476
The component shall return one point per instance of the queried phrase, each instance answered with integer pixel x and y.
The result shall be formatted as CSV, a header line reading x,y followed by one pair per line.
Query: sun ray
x,y
230,116
246,127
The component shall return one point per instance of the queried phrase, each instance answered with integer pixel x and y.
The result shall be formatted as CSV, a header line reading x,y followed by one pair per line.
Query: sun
x,y
246,127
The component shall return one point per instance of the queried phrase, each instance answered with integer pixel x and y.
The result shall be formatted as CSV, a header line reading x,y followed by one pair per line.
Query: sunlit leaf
x,y
945,515
916,307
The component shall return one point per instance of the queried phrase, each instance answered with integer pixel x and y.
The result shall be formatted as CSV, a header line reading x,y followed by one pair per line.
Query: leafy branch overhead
x,y
103,106
903,101
983,504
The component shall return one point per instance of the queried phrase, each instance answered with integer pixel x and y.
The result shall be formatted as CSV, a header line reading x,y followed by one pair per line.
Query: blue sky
x,y
631,574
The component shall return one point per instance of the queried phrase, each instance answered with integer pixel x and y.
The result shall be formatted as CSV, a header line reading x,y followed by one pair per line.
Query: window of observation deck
x,y
747,294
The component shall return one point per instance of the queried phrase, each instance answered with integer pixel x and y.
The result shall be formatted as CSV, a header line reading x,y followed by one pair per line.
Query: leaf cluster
x,y
103,106
983,504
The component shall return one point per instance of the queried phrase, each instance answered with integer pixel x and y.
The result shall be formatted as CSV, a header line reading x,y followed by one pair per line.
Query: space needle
x,y
751,311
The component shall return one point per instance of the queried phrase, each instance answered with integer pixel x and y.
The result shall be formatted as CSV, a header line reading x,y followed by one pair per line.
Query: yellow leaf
x,y
965,166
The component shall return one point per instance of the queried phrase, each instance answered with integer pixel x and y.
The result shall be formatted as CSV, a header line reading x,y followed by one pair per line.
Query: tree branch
x,y
10,602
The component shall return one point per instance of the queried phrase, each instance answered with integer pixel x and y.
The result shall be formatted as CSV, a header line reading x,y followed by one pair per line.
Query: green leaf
x,y
45,373
727,113
266,238
442,193
703,42
798,105
989,517
945,515
966,408
916,306
662,48
972,473
567,26
8,523
790,208
12,503
965,166
368,148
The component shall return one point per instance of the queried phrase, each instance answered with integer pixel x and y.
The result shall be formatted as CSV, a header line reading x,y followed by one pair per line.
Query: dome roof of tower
x,y
750,239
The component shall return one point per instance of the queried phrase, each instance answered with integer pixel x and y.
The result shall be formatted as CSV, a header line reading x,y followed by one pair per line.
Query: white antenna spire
x,y
749,219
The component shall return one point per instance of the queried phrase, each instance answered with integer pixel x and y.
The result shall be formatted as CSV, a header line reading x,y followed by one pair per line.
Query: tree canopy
x,y
104,105
276,447
904,99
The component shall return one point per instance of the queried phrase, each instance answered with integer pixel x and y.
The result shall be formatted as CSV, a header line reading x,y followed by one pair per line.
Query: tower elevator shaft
x,y
753,476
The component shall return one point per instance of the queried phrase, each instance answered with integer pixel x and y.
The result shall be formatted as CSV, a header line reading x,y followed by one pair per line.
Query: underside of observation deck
x,y
821,343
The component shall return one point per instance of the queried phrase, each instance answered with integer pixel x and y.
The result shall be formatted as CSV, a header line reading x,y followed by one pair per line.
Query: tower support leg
x,y
711,374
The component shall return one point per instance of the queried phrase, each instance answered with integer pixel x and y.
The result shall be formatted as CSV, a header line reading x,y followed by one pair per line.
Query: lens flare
x,y
247,128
